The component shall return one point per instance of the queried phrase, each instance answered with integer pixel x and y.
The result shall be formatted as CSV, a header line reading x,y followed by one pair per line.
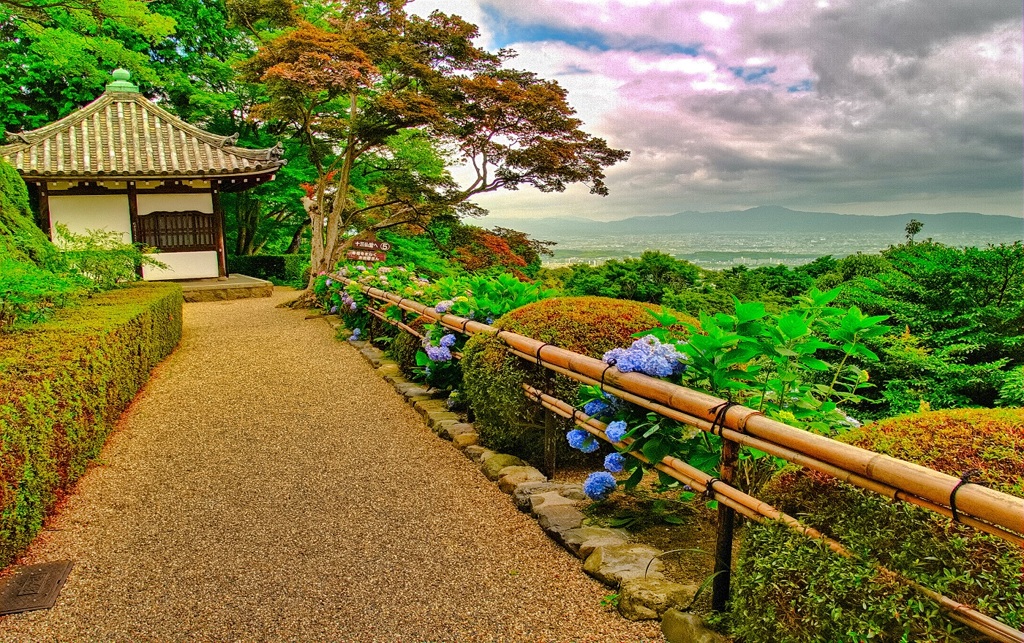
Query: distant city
x,y
755,237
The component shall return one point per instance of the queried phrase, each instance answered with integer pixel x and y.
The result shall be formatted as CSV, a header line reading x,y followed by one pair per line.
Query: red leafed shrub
x,y
955,441
481,249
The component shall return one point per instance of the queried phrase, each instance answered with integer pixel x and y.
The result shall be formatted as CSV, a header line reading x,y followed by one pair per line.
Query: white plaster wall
x,y
174,202
93,212
183,265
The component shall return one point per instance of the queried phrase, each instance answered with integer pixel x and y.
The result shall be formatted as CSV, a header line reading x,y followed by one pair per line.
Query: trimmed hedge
x,y
790,588
493,377
63,385
282,268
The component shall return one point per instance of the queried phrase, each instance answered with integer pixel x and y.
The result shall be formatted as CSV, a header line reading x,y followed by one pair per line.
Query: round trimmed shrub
x,y
493,377
790,588
404,346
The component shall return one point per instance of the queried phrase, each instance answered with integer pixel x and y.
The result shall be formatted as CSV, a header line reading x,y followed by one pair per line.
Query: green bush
x,y
292,269
493,377
790,588
63,384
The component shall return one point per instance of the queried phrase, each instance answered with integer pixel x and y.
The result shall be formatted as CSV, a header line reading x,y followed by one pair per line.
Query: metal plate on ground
x,y
34,587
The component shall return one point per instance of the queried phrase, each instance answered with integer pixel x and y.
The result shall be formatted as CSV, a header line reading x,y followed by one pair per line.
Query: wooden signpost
x,y
369,250
365,255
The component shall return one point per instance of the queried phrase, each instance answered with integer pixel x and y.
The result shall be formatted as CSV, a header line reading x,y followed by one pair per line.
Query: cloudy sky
x,y
854,106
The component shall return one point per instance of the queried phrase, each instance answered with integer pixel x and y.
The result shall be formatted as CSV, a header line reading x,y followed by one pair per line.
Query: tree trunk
x,y
293,247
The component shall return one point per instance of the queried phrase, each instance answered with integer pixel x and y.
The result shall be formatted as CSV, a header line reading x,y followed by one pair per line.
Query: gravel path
x,y
268,485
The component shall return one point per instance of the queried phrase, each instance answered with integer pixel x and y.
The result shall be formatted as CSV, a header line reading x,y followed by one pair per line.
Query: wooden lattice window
x,y
178,231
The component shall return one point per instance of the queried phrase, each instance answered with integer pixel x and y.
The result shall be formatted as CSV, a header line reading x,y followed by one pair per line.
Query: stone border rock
x,y
634,570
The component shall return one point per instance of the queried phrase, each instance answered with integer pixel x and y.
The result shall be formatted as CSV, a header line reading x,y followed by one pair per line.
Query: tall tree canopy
x,y
384,102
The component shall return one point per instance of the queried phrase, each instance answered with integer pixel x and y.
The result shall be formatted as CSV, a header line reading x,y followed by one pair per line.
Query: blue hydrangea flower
x,y
448,340
426,371
614,462
444,305
329,282
580,439
616,430
595,407
649,356
355,335
438,353
489,320
599,485
576,437
333,310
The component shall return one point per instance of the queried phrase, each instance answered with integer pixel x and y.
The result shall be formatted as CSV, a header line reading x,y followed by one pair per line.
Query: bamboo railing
x,y
977,506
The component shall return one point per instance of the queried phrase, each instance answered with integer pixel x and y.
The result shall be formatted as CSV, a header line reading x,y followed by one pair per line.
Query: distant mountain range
x,y
767,219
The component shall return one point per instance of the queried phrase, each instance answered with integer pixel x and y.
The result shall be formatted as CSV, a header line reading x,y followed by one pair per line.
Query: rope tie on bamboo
x,y
464,322
720,412
536,355
611,363
964,479
709,488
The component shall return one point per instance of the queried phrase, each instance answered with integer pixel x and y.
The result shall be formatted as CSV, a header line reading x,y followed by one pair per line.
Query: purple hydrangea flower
x,y
353,306
438,353
329,282
333,310
599,485
444,305
447,341
595,407
614,462
355,335
616,430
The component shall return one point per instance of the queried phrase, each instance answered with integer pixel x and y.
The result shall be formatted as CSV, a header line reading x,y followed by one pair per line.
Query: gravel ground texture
x,y
268,485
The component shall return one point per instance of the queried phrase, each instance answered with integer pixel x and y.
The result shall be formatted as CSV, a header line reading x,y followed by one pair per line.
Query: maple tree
x,y
385,102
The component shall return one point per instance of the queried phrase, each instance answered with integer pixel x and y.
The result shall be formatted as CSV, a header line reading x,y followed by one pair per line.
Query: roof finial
x,y
120,82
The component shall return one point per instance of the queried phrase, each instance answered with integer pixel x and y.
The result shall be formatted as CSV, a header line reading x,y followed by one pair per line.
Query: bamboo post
x,y
726,520
550,428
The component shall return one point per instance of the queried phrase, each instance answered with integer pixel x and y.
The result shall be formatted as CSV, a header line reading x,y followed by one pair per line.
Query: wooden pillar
x,y
726,519
44,208
133,218
551,432
218,211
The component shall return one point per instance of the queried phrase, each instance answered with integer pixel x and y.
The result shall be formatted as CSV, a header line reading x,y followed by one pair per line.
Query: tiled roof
x,y
122,134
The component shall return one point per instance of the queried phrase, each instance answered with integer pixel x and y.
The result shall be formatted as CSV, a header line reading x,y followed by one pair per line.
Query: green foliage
x,y
1011,393
789,588
101,258
647,279
63,384
20,238
282,269
29,294
30,290
963,314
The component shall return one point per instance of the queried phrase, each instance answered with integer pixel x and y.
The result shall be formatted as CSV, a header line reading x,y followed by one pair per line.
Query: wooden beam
x,y
133,218
218,211
44,208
